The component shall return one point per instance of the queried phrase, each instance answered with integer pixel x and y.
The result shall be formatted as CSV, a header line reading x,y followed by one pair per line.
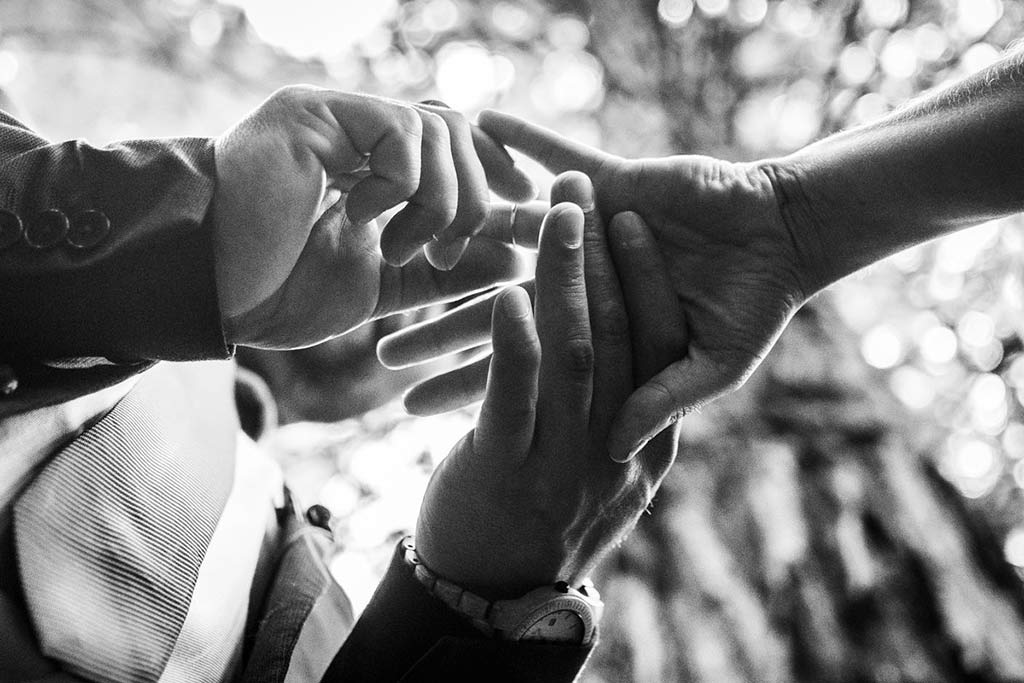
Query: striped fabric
x,y
111,535
307,616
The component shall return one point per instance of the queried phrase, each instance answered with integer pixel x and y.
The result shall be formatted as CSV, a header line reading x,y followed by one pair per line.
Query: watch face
x,y
560,626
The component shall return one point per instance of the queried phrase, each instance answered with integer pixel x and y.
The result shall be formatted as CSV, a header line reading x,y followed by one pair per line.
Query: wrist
x,y
555,612
491,575
794,213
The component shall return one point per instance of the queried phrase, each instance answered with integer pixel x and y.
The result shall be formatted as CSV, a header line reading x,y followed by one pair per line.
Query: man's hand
x,y
530,496
733,269
285,172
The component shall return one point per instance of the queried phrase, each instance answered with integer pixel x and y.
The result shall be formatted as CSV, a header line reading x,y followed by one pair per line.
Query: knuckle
x,y
523,352
408,121
457,124
519,411
611,320
663,391
405,185
433,124
472,211
439,213
577,357
291,95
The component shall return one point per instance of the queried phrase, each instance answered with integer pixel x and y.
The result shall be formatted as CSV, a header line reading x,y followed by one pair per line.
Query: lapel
x,y
305,617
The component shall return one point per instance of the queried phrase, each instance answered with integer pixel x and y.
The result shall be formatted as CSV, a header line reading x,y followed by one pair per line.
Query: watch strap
x,y
498,618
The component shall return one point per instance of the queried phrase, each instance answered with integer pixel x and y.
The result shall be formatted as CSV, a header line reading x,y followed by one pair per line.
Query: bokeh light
x,y
750,12
975,17
469,77
856,64
916,389
972,464
882,347
883,13
797,17
9,67
713,8
316,28
938,345
1013,547
206,27
899,56
570,81
675,12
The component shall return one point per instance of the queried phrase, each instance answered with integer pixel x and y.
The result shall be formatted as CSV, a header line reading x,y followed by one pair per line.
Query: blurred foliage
x,y
942,323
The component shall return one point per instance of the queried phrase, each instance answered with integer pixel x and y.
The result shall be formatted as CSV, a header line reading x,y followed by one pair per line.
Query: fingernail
x,y
515,306
636,449
405,254
572,234
454,251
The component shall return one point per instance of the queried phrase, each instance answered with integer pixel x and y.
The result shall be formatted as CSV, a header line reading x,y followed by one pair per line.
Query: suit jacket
x,y
106,266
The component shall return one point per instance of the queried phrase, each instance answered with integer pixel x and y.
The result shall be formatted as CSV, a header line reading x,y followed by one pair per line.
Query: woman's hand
x,y
735,273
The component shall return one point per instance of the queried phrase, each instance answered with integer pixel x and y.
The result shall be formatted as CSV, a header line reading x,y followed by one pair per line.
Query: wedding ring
x,y
512,223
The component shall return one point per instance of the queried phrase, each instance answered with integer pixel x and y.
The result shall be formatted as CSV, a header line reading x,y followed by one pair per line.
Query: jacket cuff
x,y
145,290
409,635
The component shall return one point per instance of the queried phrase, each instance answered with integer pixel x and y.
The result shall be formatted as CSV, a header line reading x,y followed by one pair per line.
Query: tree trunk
x,y
805,533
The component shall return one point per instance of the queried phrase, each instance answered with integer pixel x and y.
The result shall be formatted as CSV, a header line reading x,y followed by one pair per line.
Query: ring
x,y
512,223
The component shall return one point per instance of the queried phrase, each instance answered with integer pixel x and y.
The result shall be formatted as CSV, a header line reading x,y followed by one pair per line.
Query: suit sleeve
x,y
406,634
106,252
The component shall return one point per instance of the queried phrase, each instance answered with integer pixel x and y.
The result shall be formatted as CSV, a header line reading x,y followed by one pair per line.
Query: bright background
x,y
941,324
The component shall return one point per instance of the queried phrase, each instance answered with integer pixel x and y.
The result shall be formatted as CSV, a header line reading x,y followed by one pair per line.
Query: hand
x,y
284,164
732,266
530,496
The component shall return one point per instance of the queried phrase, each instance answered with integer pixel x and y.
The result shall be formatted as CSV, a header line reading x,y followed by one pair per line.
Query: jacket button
x,y
10,228
319,516
88,229
48,228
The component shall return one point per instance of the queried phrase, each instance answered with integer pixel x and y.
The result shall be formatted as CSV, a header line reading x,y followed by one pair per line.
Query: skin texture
x,y
299,184
530,496
745,245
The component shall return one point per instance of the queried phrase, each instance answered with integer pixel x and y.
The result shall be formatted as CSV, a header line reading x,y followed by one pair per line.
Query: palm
x,y
727,258
554,538
340,281
332,287
729,255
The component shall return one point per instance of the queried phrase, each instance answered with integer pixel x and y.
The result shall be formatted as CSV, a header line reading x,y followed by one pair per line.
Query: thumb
x,y
679,389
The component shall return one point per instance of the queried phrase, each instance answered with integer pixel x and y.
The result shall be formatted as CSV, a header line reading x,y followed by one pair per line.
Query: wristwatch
x,y
557,613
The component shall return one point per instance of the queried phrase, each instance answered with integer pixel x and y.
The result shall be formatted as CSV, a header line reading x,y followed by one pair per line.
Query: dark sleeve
x,y
405,634
106,251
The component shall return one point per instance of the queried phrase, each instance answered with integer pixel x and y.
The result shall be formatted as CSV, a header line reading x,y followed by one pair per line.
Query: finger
x,y
508,412
461,328
390,134
454,389
564,331
433,206
553,151
609,328
517,224
417,284
445,251
656,316
659,453
657,324
507,181
675,391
